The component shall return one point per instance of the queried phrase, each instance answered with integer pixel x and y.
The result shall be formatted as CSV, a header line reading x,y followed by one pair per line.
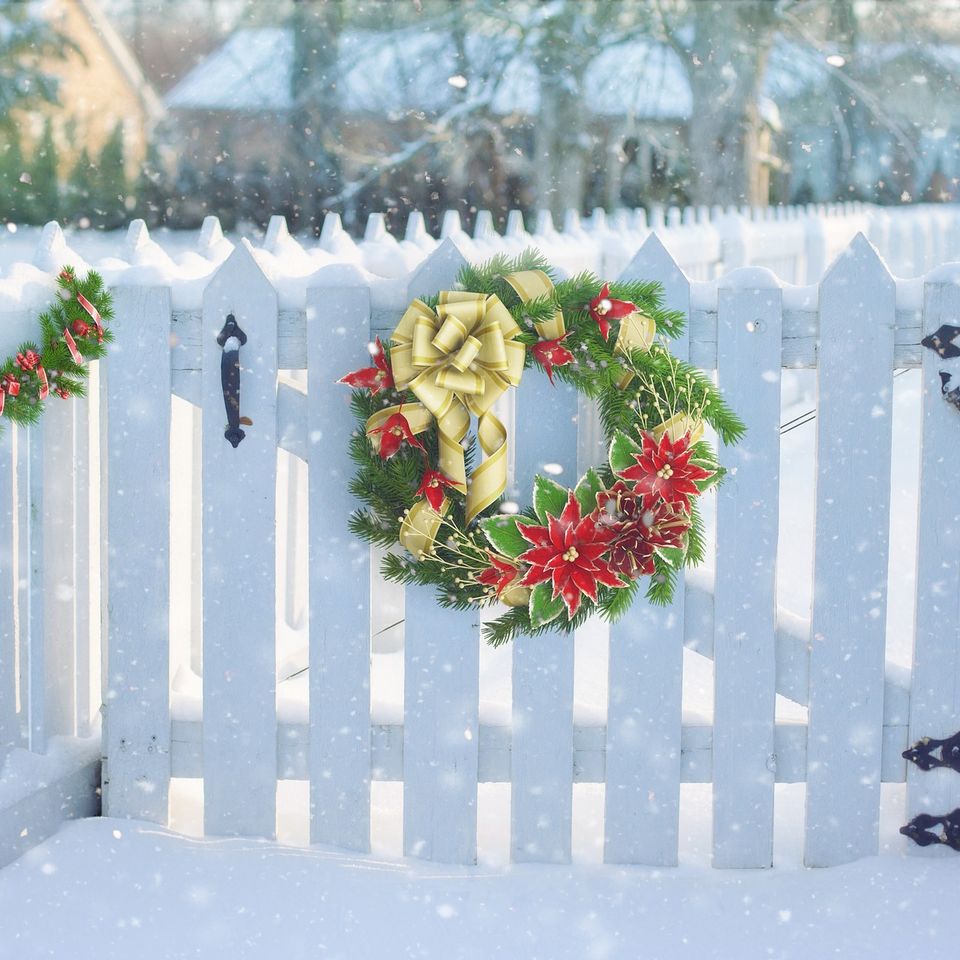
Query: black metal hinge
x,y
921,829
923,753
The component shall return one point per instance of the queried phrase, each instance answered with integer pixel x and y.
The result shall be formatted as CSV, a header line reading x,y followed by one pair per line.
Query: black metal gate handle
x,y
231,338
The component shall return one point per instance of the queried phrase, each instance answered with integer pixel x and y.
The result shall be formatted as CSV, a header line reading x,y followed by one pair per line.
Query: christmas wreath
x,y
71,332
629,521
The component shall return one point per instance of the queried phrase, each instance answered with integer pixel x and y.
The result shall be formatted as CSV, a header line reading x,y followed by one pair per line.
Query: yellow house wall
x,y
94,95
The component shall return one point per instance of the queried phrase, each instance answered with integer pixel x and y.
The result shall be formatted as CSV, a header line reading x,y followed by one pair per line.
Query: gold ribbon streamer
x,y
637,331
419,527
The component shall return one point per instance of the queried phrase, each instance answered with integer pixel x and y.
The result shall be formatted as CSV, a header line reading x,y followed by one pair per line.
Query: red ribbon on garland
x,y
72,347
94,314
31,361
9,387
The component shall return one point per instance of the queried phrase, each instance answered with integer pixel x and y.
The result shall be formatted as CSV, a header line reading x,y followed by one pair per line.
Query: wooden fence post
x,y
136,472
239,558
338,330
848,620
749,344
935,687
646,674
441,687
9,729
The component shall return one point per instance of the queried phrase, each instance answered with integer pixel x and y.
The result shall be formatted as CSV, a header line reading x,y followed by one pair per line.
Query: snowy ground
x,y
117,889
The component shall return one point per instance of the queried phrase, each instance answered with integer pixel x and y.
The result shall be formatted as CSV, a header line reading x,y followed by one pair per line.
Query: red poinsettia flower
x,y
643,523
552,353
569,552
392,432
499,575
664,470
375,378
603,309
431,487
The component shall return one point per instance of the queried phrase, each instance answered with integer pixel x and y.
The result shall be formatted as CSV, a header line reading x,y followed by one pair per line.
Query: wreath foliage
x,y
631,523
71,332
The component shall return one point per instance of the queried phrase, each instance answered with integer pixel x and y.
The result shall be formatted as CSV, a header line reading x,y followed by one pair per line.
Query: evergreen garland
x,y
65,377
661,387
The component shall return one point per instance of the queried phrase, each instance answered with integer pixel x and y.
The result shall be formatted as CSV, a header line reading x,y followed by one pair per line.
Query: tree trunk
x,y
727,58
314,119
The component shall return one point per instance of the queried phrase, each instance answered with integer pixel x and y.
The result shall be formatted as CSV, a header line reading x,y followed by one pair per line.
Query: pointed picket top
x,y
53,253
332,227
688,217
439,271
703,214
859,263
212,244
716,212
653,261
544,225
451,226
673,217
239,271
416,231
571,222
277,232
515,225
138,238
483,228
640,220
657,217
376,229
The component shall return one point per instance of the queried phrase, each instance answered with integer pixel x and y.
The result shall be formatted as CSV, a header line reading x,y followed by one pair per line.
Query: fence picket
x,y
59,574
9,732
136,729
748,373
542,749
854,412
642,798
440,730
935,688
32,607
441,687
239,559
87,535
338,324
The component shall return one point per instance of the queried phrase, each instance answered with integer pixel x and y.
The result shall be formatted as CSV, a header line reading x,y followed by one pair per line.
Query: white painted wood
x,y
494,761
642,799
441,687
59,574
744,759
9,726
935,691
542,777
136,729
850,568
239,559
339,574
440,731
541,760
85,582
32,607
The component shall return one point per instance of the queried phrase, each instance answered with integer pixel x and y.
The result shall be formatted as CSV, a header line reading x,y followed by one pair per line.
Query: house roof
x,y
395,72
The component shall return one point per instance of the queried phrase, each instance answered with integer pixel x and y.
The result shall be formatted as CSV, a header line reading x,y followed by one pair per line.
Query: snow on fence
x,y
102,471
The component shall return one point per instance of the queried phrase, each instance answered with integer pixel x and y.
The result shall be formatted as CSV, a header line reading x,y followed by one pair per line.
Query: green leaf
x,y
549,498
543,607
673,555
622,449
504,536
587,489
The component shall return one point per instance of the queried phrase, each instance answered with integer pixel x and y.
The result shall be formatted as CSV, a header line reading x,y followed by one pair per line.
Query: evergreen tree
x,y
151,189
109,193
26,37
44,195
78,200
14,197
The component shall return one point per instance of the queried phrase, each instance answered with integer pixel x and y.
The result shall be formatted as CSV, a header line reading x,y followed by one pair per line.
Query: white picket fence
x,y
101,472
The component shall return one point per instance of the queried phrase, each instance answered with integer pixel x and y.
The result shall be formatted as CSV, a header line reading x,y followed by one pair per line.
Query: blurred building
x,y
100,85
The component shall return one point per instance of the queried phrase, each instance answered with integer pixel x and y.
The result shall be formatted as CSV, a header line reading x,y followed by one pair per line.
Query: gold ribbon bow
x,y
458,360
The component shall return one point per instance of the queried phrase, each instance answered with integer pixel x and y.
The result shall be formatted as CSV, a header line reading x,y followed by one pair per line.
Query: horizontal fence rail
x,y
306,322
